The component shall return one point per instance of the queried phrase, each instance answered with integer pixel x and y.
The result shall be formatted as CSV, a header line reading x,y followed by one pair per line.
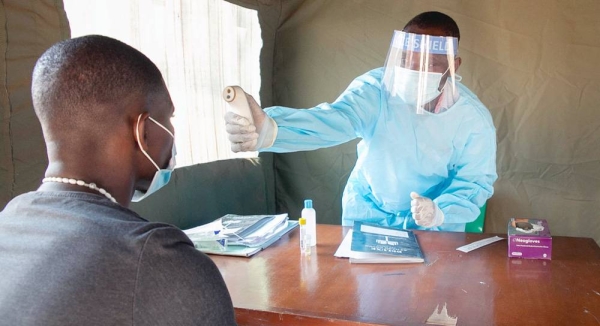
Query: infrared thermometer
x,y
238,103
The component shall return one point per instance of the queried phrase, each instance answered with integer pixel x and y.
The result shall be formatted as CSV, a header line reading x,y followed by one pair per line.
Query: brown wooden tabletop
x,y
278,286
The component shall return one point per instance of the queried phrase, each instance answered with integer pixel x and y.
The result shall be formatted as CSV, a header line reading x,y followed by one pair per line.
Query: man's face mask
x,y
418,68
161,176
411,84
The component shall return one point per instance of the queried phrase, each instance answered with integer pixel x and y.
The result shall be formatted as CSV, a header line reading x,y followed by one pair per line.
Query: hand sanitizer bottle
x,y
310,215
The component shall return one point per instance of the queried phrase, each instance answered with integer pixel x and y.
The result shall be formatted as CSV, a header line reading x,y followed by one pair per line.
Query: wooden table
x,y
483,287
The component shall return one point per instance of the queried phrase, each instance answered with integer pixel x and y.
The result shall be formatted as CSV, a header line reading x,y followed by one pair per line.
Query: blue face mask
x,y
162,176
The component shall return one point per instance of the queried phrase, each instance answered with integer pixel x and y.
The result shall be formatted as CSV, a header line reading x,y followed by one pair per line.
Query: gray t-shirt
x,y
73,258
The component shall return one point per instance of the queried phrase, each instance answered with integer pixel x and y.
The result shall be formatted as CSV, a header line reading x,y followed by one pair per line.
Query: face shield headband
x,y
418,68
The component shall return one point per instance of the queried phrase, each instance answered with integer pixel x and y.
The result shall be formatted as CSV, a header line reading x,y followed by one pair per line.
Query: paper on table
x,y
260,231
479,244
343,251
205,228
269,225
245,251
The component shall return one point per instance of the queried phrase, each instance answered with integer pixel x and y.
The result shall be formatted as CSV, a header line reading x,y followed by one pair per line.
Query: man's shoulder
x,y
368,81
468,94
470,99
78,203
373,74
93,215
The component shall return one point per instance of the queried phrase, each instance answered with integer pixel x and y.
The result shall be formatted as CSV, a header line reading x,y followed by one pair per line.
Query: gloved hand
x,y
246,136
425,212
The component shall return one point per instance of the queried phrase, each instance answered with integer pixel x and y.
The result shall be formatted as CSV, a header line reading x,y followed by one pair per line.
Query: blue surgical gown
x,y
449,157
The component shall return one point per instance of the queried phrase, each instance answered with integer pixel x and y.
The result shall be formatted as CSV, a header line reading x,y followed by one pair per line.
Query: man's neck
x,y
111,179
444,101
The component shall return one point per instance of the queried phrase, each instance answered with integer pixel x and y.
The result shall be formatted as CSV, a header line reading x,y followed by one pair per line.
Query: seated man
x,y
427,158
72,252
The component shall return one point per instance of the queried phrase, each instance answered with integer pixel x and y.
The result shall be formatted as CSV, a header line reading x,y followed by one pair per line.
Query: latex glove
x,y
246,135
425,212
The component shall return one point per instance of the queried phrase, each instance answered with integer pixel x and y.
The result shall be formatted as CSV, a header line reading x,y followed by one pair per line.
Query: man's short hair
x,y
435,19
88,77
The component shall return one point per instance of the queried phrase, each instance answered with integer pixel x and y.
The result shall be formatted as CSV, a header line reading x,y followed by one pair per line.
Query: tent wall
x,y
533,63
27,29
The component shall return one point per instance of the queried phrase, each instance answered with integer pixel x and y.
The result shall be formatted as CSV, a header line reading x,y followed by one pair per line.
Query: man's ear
x,y
457,62
139,130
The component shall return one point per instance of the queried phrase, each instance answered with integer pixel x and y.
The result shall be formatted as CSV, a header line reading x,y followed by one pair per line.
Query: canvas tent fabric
x,y
533,63
28,28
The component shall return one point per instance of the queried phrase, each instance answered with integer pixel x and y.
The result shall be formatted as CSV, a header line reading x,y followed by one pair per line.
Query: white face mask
x,y
161,176
407,84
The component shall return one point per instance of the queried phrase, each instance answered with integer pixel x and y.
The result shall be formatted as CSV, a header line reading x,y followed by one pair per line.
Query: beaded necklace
x,y
80,183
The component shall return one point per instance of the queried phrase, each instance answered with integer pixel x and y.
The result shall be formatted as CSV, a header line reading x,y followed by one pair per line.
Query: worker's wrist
x,y
438,218
268,133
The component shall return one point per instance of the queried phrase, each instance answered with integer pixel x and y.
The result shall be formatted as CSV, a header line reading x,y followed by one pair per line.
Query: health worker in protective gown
x,y
427,158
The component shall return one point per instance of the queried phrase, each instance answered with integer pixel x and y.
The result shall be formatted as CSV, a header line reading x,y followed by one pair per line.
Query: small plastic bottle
x,y
310,215
304,237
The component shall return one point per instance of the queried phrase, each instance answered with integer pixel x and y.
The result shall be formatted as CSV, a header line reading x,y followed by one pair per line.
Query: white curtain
x,y
200,46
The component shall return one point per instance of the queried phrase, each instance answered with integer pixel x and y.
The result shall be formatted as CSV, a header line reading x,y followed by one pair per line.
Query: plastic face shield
x,y
418,68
